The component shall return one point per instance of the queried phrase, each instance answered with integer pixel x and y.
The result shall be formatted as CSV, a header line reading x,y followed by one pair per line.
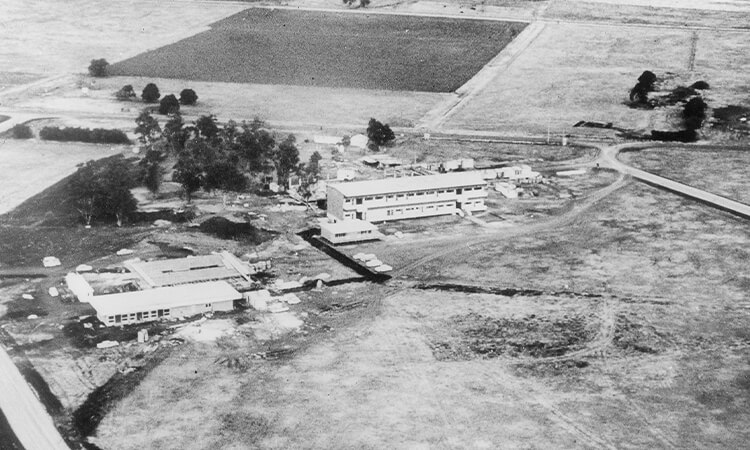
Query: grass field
x,y
331,50
278,105
722,172
87,29
712,13
25,166
575,72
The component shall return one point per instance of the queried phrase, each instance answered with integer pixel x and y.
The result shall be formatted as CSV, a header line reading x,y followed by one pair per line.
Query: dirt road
x,y
26,415
455,245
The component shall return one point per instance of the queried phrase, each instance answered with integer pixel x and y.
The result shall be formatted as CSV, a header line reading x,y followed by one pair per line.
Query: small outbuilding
x,y
350,230
359,140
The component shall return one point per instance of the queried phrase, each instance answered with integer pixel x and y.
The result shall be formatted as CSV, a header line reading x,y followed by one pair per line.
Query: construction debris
x,y
50,261
107,344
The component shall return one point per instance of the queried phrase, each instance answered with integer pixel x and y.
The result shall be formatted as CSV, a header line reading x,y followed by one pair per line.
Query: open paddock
x,y
722,172
675,13
575,72
278,105
311,48
26,166
47,37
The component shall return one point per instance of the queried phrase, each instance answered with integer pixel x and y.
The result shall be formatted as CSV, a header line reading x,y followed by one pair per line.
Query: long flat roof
x,y
408,184
164,298
185,270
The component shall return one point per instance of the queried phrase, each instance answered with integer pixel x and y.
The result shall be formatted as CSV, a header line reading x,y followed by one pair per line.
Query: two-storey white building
x,y
406,197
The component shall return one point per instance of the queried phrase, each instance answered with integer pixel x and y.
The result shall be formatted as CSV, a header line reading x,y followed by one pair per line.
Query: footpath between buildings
x,y
367,274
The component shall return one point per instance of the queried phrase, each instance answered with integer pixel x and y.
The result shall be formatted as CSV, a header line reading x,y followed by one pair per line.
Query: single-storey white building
x,y
164,302
519,174
359,140
350,230
406,197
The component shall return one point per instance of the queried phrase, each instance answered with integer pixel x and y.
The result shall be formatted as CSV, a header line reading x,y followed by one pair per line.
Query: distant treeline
x,y
95,136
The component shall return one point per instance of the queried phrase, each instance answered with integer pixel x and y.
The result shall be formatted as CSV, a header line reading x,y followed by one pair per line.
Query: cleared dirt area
x,y
264,46
26,166
628,330
722,172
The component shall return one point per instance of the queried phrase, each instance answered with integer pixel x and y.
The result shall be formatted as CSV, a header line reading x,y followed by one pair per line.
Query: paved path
x,y
608,158
26,415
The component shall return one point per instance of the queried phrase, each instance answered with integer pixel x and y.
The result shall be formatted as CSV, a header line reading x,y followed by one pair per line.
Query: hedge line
x,y
95,136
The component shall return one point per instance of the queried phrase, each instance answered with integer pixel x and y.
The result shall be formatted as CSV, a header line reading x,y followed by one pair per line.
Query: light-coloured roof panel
x,y
173,265
193,276
193,269
164,298
407,184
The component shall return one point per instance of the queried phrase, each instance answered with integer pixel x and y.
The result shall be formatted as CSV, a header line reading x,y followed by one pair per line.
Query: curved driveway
x,y
608,158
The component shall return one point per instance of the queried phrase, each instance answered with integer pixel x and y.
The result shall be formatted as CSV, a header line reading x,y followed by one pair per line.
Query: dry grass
x,y
82,30
672,330
711,13
575,72
26,167
346,109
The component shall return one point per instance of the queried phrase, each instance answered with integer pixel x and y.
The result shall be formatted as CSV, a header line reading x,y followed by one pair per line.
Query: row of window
x,y
139,316
411,194
428,208
358,232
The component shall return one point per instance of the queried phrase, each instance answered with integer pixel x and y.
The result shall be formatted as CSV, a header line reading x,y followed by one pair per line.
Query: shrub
x,y
95,136
21,131
674,136
126,93
150,93
694,113
98,67
647,79
378,133
188,97
169,105
700,85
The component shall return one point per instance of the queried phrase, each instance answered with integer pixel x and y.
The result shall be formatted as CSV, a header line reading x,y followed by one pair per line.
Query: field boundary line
x,y
485,76
384,12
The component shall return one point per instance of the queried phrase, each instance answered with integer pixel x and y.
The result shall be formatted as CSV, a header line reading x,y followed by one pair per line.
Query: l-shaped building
x,y
407,197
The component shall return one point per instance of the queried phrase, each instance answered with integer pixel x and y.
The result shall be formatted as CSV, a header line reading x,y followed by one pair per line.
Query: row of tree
x,y
169,103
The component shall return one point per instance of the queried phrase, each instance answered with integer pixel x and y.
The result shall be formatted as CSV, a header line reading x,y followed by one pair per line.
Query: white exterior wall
x,y
335,203
153,315
79,286
406,205
351,236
